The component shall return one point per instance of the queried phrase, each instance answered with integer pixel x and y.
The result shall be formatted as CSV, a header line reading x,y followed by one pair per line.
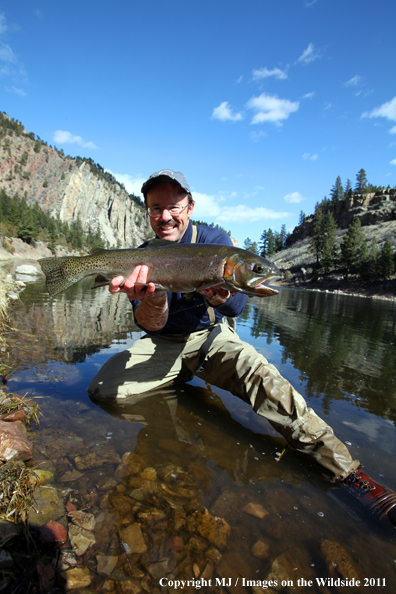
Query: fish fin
x,y
158,286
57,278
100,281
97,251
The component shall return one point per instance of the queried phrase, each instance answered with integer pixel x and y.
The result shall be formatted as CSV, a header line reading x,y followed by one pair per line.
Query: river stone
x,y
82,519
27,269
214,529
76,577
339,562
294,562
106,564
70,475
231,567
96,459
132,539
255,509
80,539
14,445
53,532
49,505
260,549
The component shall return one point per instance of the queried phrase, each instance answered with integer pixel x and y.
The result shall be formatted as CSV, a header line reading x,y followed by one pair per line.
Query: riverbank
x,y
384,290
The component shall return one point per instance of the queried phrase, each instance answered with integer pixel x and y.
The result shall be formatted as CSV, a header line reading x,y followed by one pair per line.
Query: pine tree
x,y
361,182
329,249
373,257
337,191
267,245
386,262
250,245
350,247
316,241
301,219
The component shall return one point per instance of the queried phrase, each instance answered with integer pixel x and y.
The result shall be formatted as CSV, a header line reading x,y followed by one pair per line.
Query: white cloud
x,y
270,108
310,157
354,81
393,162
240,79
309,55
309,95
386,110
64,137
257,134
19,92
224,113
309,2
265,73
211,207
7,55
132,183
3,24
392,130
293,198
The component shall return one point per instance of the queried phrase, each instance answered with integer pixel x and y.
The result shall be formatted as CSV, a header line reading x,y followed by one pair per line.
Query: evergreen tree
x,y
301,219
329,249
373,257
337,191
351,246
250,245
386,262
316,241
267,246
361,182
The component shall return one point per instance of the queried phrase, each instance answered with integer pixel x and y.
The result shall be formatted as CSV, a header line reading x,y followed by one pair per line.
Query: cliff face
x,y
371,209
70,189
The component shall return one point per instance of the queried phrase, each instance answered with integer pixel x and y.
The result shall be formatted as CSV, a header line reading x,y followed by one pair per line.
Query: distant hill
x,y
67,187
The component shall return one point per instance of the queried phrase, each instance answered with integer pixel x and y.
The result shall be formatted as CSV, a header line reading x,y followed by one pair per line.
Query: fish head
x,y
251,274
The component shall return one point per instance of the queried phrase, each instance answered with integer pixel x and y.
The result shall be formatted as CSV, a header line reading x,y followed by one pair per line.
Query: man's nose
x,y
165,215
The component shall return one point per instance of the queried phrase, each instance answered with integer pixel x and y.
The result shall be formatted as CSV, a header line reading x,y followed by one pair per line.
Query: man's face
x,y
167,226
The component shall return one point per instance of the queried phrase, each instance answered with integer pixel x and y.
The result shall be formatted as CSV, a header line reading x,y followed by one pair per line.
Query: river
x,y
161,461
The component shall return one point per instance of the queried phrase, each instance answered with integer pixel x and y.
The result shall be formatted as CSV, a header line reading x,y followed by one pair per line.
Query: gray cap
x,y
165,175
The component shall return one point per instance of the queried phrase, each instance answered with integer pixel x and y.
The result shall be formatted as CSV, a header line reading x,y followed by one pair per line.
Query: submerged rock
x,y
80,539
255,509
49,505
214,529
338,560
106,564
132,539
82,519
52,533
76,577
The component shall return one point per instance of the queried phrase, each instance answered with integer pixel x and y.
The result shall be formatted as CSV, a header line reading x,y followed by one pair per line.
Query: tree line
x,y
353,255
30,223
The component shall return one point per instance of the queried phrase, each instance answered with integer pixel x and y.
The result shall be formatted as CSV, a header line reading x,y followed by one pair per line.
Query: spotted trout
x,y
173,267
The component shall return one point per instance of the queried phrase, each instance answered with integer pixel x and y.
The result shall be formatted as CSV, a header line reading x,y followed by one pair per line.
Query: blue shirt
x,y
187,311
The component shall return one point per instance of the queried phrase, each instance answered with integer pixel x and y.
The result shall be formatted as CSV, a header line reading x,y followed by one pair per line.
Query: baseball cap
x,y
165,175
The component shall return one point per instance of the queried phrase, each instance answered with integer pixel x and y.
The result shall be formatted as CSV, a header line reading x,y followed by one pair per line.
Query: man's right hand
x,y
128,285
152,313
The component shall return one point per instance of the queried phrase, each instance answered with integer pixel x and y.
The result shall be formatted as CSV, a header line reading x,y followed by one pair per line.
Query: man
x,y
185,336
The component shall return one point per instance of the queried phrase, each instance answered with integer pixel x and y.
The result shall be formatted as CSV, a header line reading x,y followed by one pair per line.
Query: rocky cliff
x,y
69,188
370,209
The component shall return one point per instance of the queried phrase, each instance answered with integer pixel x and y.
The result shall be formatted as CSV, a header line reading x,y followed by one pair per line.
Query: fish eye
x,y
258,268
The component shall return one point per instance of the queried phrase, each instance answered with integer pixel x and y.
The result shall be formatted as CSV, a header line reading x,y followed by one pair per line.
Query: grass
x,y
17,485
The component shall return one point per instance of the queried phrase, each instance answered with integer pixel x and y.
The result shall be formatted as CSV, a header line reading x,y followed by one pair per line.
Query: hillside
x,y
67,187
377,215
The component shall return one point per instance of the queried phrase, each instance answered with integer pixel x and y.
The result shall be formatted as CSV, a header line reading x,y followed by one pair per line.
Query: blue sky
x,y
260,103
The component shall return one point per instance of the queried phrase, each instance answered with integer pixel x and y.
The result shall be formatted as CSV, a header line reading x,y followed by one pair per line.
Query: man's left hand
x,y
216,295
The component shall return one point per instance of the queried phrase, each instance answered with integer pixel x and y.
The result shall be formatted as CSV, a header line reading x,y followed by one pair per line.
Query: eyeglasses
x,y
173,209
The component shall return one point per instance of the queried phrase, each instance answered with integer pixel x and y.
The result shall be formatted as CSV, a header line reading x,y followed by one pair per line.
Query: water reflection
x,y
343,347
162,460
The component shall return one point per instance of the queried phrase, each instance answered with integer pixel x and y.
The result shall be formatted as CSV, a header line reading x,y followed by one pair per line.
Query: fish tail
x,y
60,273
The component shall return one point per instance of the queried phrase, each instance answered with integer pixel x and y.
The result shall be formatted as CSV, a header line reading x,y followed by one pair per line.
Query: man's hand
x,y
216,295
152,313
128,285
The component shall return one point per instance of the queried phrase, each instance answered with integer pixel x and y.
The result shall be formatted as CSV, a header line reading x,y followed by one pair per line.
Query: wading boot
x,y
382,501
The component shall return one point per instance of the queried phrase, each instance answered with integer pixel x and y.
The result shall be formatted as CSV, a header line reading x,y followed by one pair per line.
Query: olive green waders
x,y
233,365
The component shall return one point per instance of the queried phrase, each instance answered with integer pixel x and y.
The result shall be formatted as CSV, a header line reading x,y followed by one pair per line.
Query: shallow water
x,y
197,447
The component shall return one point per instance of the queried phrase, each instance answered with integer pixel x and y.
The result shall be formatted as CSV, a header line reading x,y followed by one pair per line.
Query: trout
x,y
173,267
